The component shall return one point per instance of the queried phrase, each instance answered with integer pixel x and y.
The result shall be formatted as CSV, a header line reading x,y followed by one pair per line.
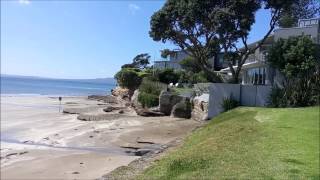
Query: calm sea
x,y
55,87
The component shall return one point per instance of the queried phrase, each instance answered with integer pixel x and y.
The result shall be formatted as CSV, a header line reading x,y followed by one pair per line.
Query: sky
x,y
81,39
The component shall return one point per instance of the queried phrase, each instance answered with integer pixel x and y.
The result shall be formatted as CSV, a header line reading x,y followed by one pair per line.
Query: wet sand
x,y
39,142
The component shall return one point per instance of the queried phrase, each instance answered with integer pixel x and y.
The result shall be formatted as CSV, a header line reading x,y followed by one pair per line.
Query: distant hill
x,y
97,80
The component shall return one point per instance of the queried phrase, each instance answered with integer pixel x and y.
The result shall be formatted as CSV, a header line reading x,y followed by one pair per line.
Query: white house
x,y
257,71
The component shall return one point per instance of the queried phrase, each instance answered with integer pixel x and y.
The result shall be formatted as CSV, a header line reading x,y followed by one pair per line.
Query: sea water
x,y
14,85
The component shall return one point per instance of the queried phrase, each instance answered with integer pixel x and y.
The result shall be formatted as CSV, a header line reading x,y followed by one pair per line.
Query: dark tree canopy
x,y
167,52
141,61
295,57
204,28
300,9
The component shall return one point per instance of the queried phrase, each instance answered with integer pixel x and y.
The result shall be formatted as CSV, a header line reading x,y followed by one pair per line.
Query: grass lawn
x,y
248,143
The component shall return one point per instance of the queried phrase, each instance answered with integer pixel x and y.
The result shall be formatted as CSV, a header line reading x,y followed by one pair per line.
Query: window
x,y
256,76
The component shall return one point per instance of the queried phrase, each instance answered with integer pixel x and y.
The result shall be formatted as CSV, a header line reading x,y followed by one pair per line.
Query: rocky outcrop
x,y
106,99
122,93
182,109
134,100
148,113
167,100
113,108
200,107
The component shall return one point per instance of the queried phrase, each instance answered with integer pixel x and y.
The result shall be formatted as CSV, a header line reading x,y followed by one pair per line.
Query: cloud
x,y
26,2
134,8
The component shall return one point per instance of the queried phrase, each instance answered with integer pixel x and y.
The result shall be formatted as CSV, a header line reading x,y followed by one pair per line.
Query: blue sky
x,y
81,39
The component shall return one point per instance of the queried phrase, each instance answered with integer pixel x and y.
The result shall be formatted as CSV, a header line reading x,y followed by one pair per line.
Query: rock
x,y
167,100
99,117
121,112
112,108
148,113
106,99
200,107
134,99
122,93
76,172
182,109
141,152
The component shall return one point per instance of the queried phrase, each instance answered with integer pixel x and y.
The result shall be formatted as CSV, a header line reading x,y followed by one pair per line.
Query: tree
x,y
294,57
204,28
141,61
128,78
167,52
300,9
297,58
190,64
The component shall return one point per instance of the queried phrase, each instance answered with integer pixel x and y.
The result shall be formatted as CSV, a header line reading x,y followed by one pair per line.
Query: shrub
x,y
297,58
229,103
128,78
168,76
276,97
298,92
148,100
152,87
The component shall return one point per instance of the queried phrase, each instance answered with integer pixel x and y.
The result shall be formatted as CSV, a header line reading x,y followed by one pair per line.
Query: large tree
x,y
204,28
141,61
300,9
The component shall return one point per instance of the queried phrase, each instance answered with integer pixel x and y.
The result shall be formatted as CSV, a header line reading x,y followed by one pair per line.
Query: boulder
x,y
167,100
148,113
106,99
112,108
200,107
122,93
182,109
134,99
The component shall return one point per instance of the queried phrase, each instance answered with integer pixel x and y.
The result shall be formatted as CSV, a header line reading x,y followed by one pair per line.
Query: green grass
x,y
247,143
182,90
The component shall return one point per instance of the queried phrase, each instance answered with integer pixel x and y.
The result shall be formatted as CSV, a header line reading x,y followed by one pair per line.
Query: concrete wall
x,y
247,95
219,91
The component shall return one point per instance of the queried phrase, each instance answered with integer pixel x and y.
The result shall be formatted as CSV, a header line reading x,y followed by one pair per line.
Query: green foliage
x,y
297,59
190,64
298,92
128,78
300,9
149,92
152,87
203,27
167,52
148,100
168,76
229,103
141,61
294,57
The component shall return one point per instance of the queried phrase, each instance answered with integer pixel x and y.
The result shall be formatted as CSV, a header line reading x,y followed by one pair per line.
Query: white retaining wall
x,y
247,95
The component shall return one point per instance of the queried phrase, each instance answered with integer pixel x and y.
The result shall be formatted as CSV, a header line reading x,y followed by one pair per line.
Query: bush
x,y
297,58
152,87
128,78
229,103
168,76
296,93
148,100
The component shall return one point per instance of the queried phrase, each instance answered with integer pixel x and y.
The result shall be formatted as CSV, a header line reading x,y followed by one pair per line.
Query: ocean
x,y
23,85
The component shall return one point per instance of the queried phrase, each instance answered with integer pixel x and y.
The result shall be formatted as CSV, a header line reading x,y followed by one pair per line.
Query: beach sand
x,y
39,142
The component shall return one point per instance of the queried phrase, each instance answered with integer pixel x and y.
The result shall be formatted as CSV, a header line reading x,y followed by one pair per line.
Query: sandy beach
x,y
39,142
